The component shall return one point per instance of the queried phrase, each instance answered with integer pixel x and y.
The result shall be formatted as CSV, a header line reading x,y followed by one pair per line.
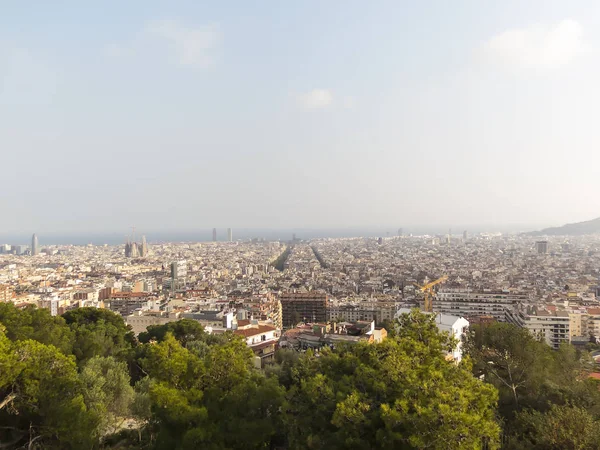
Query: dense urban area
x,y
488,340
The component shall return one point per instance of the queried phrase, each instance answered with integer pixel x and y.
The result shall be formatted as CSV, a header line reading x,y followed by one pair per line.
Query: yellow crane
x,y
427,291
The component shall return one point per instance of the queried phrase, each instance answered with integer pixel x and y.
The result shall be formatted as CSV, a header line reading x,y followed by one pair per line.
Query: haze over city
x,y
321,115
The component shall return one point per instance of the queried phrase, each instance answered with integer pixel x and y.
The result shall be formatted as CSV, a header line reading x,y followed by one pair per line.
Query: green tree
x,y
528,373
512,360
215,401
171,363
563,427
107,392
391,327
37,324
401,393
99,332
184,330
46,407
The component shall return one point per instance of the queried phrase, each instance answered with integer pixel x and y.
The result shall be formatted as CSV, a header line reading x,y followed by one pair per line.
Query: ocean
x,y
205,235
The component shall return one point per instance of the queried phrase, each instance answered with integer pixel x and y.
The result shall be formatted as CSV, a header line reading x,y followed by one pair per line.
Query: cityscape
x,y
549,287
309,298
314,225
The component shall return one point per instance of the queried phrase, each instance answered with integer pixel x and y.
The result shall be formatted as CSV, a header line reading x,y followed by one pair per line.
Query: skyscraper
x,y
465,235
229,234
400,232
214,235
34,245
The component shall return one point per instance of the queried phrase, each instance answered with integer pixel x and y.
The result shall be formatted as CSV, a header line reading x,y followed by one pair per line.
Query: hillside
x,y
570,229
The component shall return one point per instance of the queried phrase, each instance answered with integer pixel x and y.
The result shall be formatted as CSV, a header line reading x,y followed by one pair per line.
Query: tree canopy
x,y
99,332
536,385
37,324
391,395
93,385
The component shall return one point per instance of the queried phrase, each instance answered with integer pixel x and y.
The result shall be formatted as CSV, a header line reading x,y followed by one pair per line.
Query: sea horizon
x,y
245,234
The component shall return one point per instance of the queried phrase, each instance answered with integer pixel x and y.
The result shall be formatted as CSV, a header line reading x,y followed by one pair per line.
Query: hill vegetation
x,y
570,229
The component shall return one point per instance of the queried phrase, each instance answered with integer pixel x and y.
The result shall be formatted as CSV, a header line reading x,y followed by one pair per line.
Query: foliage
x,y
536,384
560,428
66,383
217,401
43,400
185,331
99,332
107,391
391,395
391,327
512,360
36,324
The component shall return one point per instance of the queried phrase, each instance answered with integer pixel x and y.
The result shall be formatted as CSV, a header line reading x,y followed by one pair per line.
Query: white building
x,y
469,303
552,326
455,326
261,338
368,311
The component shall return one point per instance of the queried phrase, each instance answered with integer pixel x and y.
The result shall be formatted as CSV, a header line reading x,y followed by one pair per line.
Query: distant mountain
x,y
570,229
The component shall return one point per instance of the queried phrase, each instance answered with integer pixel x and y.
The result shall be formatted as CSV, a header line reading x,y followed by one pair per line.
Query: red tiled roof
x,y
254,331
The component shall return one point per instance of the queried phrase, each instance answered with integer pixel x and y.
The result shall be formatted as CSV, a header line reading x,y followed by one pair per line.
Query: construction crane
x,y
427,291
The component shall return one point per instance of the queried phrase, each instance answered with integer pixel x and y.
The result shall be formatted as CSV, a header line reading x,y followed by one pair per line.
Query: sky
x,y
314,114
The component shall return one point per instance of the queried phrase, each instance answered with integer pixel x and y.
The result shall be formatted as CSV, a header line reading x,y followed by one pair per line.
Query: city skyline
x,y
207,235
108,237
311,115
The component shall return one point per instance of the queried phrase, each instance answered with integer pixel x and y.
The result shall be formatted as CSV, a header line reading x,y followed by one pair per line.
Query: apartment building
x,y
6,293
362,311
125,303
303,306
550,325
476,303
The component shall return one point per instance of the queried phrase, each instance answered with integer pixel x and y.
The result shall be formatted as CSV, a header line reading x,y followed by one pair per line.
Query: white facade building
x,y
552,326
367,311
469,303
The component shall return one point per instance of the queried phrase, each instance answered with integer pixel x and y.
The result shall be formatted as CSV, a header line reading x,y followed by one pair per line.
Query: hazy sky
x,y
194,114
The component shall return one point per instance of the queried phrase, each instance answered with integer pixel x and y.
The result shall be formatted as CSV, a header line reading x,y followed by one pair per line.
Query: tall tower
x,y
400,232
34,245
229,235
144,249
214,235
